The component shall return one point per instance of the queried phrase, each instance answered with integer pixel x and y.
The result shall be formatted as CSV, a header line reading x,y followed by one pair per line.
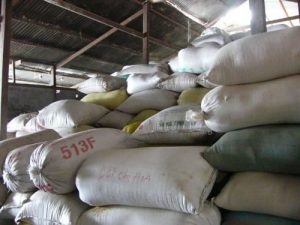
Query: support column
x,y
53,74
258,21
146,29
13,71
5,35
299,8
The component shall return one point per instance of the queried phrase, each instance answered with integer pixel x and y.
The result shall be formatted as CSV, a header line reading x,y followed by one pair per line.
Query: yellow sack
x,y
136,121
130,128
192,96
110,100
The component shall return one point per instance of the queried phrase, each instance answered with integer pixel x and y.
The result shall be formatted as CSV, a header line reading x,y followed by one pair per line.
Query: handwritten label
x,y
124,175
78,148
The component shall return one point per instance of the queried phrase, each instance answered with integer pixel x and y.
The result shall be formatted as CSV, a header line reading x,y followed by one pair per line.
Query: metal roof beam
x,y
268,23
285,11
25,42
20,60
168,18
73,33
98,40
100,19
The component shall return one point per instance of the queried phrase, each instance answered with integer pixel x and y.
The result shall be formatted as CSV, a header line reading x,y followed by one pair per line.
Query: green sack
x,y
266,148
243,218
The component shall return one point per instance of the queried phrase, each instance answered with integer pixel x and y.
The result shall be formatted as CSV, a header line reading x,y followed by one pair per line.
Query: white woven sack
x,y
257,58
175,178
70,113
265,193
49,209
67,131
140,82
204,82
212,35
13,204
101,83
179,82
3,193
53,166
10,144
15,174
174,64
197,60
21,133
18,123
33,126
120,215
228,108
144,68
171,126
156,99
240,35
115,119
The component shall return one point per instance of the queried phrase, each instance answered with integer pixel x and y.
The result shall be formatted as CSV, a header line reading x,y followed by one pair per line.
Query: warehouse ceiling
x,y
45,33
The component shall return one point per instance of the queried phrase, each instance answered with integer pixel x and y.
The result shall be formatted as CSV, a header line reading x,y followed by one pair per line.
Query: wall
x,y
28,98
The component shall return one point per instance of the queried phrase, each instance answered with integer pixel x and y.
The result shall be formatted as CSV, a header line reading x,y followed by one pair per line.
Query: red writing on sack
x,y
45,187
78,148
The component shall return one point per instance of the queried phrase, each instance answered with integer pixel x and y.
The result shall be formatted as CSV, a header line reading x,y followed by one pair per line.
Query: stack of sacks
x,y
179,82
260,113
65,116
263,73
109,92
138,119
240,35
101,83
143,77
171,126
198,58
141,69
212,35
13,205
12,150
44,208
155,99
17,125
109,100
144,81
263,193
51,166
7,146
180,181
192,96
70,116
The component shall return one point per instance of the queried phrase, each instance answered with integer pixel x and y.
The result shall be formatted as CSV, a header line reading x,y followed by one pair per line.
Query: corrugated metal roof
x,y
48,34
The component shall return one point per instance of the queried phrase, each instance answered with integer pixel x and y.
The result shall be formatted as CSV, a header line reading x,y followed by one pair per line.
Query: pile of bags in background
x,y
245,125
258,109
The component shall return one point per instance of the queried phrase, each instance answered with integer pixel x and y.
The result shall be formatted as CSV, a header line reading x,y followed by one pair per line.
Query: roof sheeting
x,y
203,11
